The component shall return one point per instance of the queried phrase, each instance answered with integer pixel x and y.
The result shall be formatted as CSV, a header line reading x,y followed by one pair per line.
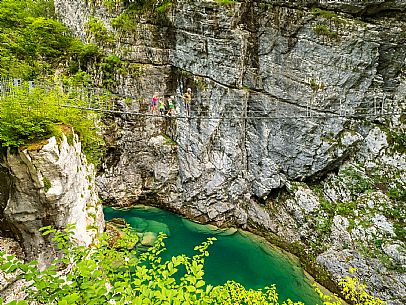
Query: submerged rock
x,y
207,229
148,239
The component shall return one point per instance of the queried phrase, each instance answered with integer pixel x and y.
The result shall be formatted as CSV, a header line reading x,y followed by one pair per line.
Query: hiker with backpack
x,y
187,97
161,106
170,105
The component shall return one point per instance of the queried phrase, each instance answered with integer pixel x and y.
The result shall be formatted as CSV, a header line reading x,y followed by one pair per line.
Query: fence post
x,y
383,104
31,85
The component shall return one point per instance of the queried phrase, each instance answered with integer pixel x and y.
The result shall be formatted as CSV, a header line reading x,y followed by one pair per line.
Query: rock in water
x,y
148,239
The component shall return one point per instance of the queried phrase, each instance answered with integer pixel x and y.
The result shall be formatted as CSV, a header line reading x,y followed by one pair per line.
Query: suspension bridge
x,y
103,101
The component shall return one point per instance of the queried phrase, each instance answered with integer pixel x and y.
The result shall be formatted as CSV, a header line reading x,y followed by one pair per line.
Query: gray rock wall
x,y
286,174
51,186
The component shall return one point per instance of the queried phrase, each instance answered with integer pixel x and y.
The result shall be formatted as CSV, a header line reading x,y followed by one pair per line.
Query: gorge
x,y
322,175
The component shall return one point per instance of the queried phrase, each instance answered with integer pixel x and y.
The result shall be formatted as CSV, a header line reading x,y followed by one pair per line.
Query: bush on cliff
x,y
28,116
106,274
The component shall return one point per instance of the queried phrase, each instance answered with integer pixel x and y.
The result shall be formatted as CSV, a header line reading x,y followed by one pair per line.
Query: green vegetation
x,y
386,179
141,6
127,20
324,30
396,139
33,43
169,140
96,29
315,86
226,2
329,18
110,4
27,117
323,13
366,189
47,184
118,274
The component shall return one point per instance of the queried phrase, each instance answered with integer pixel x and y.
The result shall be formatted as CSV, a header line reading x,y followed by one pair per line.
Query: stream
x,y
236,255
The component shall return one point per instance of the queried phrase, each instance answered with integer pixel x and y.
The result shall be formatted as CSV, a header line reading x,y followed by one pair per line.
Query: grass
x,y
323,13
169,140
315,86
324,30
226,2
47,184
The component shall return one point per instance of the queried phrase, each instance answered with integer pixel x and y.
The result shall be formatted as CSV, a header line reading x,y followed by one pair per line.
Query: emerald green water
x,y
234,256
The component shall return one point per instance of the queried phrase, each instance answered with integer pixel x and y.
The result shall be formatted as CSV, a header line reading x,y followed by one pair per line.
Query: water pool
x,y
236,255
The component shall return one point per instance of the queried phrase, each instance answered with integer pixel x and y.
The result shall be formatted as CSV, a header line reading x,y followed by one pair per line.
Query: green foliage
x,y
148,6
27,117
111,4
124,275
359,182
226,2
83,54
169,140
400,230
96,29
387,179
323,13
126,21
110,66
315,86
141,7
353,291
47,184
164,7
397,140
324,30
32,43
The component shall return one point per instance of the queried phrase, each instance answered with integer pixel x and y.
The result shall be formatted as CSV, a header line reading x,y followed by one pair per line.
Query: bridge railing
x,y
102,100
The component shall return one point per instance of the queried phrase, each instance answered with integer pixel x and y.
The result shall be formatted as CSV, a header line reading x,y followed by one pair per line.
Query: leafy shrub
x,y
115,274
30,116
98,31
126,21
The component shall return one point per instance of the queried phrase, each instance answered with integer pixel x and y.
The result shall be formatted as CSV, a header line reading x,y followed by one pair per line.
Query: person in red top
x,y
154,102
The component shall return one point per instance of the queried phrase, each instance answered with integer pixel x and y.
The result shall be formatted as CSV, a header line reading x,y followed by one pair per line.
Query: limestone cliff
x,y
321,172
49,185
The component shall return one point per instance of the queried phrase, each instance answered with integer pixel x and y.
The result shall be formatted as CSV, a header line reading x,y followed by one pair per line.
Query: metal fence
x,y
101,100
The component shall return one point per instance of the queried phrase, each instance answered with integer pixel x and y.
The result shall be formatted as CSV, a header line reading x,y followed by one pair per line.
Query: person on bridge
x,y
170,105
154,102
188,99
161,106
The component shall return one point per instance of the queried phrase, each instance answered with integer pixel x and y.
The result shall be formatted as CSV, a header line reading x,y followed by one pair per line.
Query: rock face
x,y
306,136
50,186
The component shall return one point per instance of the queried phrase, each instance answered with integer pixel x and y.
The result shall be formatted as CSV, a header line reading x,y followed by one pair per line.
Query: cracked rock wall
x,y
52,186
